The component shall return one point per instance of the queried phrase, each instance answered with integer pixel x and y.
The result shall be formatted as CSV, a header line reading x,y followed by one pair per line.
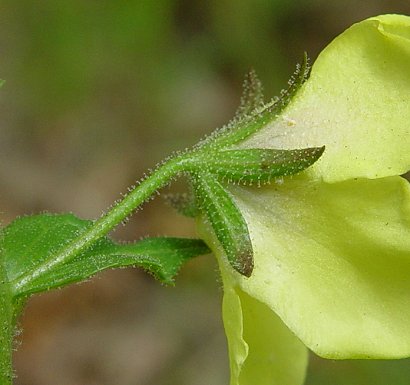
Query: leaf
x,y
29,241
259,165
227,222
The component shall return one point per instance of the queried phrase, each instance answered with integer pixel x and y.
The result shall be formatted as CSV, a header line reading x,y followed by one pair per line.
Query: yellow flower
x,y
331,245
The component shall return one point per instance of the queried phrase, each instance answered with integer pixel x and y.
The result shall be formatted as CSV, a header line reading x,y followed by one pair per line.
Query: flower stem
x,y
6,333
106,223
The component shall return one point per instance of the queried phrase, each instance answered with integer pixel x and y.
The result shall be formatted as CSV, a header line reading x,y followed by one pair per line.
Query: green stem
x,y
6,334
106,223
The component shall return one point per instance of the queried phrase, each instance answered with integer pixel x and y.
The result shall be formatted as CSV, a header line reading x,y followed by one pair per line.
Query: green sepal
x,y
238,130
226,220
259,165
184,203
252,96
295,82
29,241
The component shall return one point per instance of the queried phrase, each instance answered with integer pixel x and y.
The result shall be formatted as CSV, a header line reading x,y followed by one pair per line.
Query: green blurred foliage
x,y
98,91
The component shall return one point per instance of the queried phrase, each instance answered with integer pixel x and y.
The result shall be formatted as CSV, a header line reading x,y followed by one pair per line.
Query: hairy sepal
x,y
259,165
230,228
252,96
184,203
247,123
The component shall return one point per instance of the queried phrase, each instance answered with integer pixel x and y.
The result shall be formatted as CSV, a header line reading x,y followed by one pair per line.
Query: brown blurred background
x,y
97,92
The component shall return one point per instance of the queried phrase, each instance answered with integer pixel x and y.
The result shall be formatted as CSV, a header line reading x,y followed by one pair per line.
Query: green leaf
x,y
357,106
226,220
333,261
258,165
29,241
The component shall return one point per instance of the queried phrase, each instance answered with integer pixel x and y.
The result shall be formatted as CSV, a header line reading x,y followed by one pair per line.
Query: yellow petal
x,y
262,349
333,261
356,102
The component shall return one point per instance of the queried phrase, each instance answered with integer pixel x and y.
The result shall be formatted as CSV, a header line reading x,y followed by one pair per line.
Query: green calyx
x,y
256,165
226,220
253,114
215,162
209,168
70,249
43,252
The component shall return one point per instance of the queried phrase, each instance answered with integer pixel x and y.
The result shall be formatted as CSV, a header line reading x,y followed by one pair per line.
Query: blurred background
x,y
97,92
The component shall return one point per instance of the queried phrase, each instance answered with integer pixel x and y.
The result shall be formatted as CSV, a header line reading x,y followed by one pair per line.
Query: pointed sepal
x,y
259,166
184,203
240,129
226,220
252,95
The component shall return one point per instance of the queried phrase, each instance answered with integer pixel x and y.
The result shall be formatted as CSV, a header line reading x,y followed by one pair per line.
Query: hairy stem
x,y
107,222
6,334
